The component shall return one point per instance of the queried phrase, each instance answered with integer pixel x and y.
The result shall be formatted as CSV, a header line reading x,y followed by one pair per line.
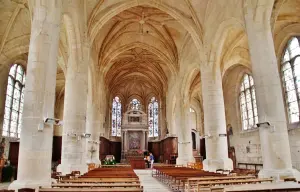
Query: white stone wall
x,y
240,139
294,135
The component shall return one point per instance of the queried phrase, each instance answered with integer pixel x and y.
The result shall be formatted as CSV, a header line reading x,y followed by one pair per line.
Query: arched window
x,y
290,70
248,103
14,102
153,117
135,104
116,117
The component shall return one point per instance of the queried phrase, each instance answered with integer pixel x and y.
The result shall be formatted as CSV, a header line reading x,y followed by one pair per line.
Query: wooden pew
x,y
179,178
90,189
95,185
193,182
100,179
173,176
231,182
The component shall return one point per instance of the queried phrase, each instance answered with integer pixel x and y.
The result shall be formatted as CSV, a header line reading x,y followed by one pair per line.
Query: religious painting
x,y
134,140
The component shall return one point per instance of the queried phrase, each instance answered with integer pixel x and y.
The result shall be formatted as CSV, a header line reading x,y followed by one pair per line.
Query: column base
x,y
279,174
68,168
184,160
213,164
34,184
96,161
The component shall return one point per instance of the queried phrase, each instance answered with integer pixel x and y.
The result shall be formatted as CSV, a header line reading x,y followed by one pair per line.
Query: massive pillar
x,y
93,128
34,167
185,148
76,91
274,137
214,121
3,86
75,107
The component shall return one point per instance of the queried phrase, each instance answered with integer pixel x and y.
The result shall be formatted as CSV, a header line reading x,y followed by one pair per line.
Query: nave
x,y
172,82
163,178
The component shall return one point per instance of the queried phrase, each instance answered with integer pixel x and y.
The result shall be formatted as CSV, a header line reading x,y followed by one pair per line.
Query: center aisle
x,y
149,183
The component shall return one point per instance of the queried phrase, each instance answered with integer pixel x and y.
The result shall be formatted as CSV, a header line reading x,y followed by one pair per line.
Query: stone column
x,y
142,147
4,71
34,167
93,128
214,121
185,148
75,108
162,119
146,140
125,141
275,146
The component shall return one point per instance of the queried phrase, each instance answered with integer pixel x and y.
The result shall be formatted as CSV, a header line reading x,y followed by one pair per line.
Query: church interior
x,y
149,95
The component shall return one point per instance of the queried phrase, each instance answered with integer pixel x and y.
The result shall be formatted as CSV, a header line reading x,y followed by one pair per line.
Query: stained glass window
x,y
248,103
116,118
290,70
14,102
135,104
153,117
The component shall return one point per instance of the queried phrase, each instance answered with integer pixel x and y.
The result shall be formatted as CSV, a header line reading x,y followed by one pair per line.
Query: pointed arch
x,y
14,102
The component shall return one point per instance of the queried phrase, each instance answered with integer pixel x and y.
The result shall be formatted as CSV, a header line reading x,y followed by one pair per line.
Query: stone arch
x,y
281,39
231,82
71,33
233,62
186,83
151,49
196,106
115,9
13,52
220,37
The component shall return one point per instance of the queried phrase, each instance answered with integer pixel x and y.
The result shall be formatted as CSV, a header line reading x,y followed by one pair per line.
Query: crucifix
x,y
92,151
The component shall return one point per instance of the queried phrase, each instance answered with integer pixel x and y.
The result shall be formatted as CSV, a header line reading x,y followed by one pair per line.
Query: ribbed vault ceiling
x,y
138,51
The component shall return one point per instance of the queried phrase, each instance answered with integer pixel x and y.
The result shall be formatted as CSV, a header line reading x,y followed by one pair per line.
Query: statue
x,y
2,148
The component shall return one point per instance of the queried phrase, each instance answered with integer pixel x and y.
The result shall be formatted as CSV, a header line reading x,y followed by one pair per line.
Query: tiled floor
x,y
149,183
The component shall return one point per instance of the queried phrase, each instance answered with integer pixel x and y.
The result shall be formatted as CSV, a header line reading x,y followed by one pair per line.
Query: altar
x,y
134,135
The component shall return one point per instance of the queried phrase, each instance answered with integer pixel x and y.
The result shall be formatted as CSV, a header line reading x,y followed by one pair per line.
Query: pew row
x,y
187,179
100,179
90,189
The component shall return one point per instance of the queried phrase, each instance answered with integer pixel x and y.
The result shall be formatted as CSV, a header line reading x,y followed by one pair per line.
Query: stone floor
x,y
149,183
4,185
152,185
262,186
